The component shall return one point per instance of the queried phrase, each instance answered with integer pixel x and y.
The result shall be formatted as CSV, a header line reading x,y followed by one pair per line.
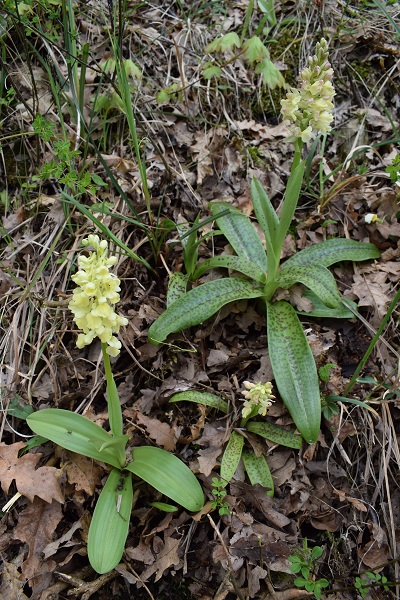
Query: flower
x,y
309,108
258,398
94,299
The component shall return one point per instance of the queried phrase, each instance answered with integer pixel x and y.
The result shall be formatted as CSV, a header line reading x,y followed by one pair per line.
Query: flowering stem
x,y
114,407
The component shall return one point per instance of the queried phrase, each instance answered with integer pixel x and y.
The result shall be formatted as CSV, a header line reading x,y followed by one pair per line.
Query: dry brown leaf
x,y
82,472
30,482
13,582
163,434
167,556
36,526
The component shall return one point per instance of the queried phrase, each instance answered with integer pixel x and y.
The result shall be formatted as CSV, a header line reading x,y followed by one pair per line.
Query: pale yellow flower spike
x,y
310,108
95,297
257,395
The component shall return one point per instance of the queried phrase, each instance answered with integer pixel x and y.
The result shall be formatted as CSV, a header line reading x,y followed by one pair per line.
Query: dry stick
x,y
237,590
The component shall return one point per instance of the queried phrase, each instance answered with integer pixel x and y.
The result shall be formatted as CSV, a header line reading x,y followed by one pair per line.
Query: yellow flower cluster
x,y
93,300
309,109
257,395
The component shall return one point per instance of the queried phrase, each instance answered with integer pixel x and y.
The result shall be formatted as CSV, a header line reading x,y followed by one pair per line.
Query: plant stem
x,y
114,408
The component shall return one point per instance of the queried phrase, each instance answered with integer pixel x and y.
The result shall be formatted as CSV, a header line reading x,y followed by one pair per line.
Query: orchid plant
x,y
308,110
93,305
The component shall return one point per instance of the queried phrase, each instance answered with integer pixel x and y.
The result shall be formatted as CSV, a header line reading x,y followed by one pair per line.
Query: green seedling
x,y
258,398
304,564
307,109
93,305
369,580
219,494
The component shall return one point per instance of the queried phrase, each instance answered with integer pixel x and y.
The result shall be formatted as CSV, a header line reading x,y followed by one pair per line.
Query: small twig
x,y
230,566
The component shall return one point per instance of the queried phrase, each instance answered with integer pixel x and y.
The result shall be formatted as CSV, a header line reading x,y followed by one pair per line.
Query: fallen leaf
x,y
167,556
13,582
163,434
30,482
81,472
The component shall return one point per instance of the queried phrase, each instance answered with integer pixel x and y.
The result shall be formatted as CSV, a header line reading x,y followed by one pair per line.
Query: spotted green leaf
x,y
294,368
200,304
332,251
231,457
177,285
276,434
235,263
322,311
318,279
258,470
201,398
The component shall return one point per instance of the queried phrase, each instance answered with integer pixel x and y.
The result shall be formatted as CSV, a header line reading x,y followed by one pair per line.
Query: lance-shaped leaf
x,y
320,310
330,252
200,304
294,368
276,434
168,474
240,233
267,219
292,193
73,432
177,285
110,522
318,279
231,457
258,470
201,398
236,263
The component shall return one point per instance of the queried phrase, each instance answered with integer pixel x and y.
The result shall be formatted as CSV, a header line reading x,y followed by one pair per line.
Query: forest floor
x,y
202,138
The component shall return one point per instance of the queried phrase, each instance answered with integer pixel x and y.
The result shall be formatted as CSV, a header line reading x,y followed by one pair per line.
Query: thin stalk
x,y
374,340
114,407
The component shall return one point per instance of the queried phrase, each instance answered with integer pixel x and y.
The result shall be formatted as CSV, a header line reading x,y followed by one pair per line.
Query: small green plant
x,y
219,494
394,170
368,580
304,563
308,109
258,398
93,306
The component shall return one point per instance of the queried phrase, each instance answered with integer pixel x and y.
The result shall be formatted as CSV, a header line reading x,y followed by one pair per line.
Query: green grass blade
x,y
276,434
235,263
231,457
332,251
258,470
316,278
200,304
294,368
110,522
240,233
167,474
201,398
73,432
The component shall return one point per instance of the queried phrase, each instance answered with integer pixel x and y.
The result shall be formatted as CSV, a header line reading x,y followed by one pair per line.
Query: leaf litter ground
x,y
341,493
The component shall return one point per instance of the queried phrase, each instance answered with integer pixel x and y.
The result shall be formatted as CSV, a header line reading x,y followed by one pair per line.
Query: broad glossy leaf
x,y
231,457
201,398
115,441
322,311
258,470
177,285
318,279
168,474
241,234
73,432
231,262
330,252
200,304
276,434
110,522
294,368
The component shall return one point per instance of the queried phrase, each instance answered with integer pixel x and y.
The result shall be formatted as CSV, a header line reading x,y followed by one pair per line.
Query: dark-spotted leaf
x,y
201,398
177,286
235,263
231,457
332,251
320,309
200,304
258,470
276,434
316,278
294,368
